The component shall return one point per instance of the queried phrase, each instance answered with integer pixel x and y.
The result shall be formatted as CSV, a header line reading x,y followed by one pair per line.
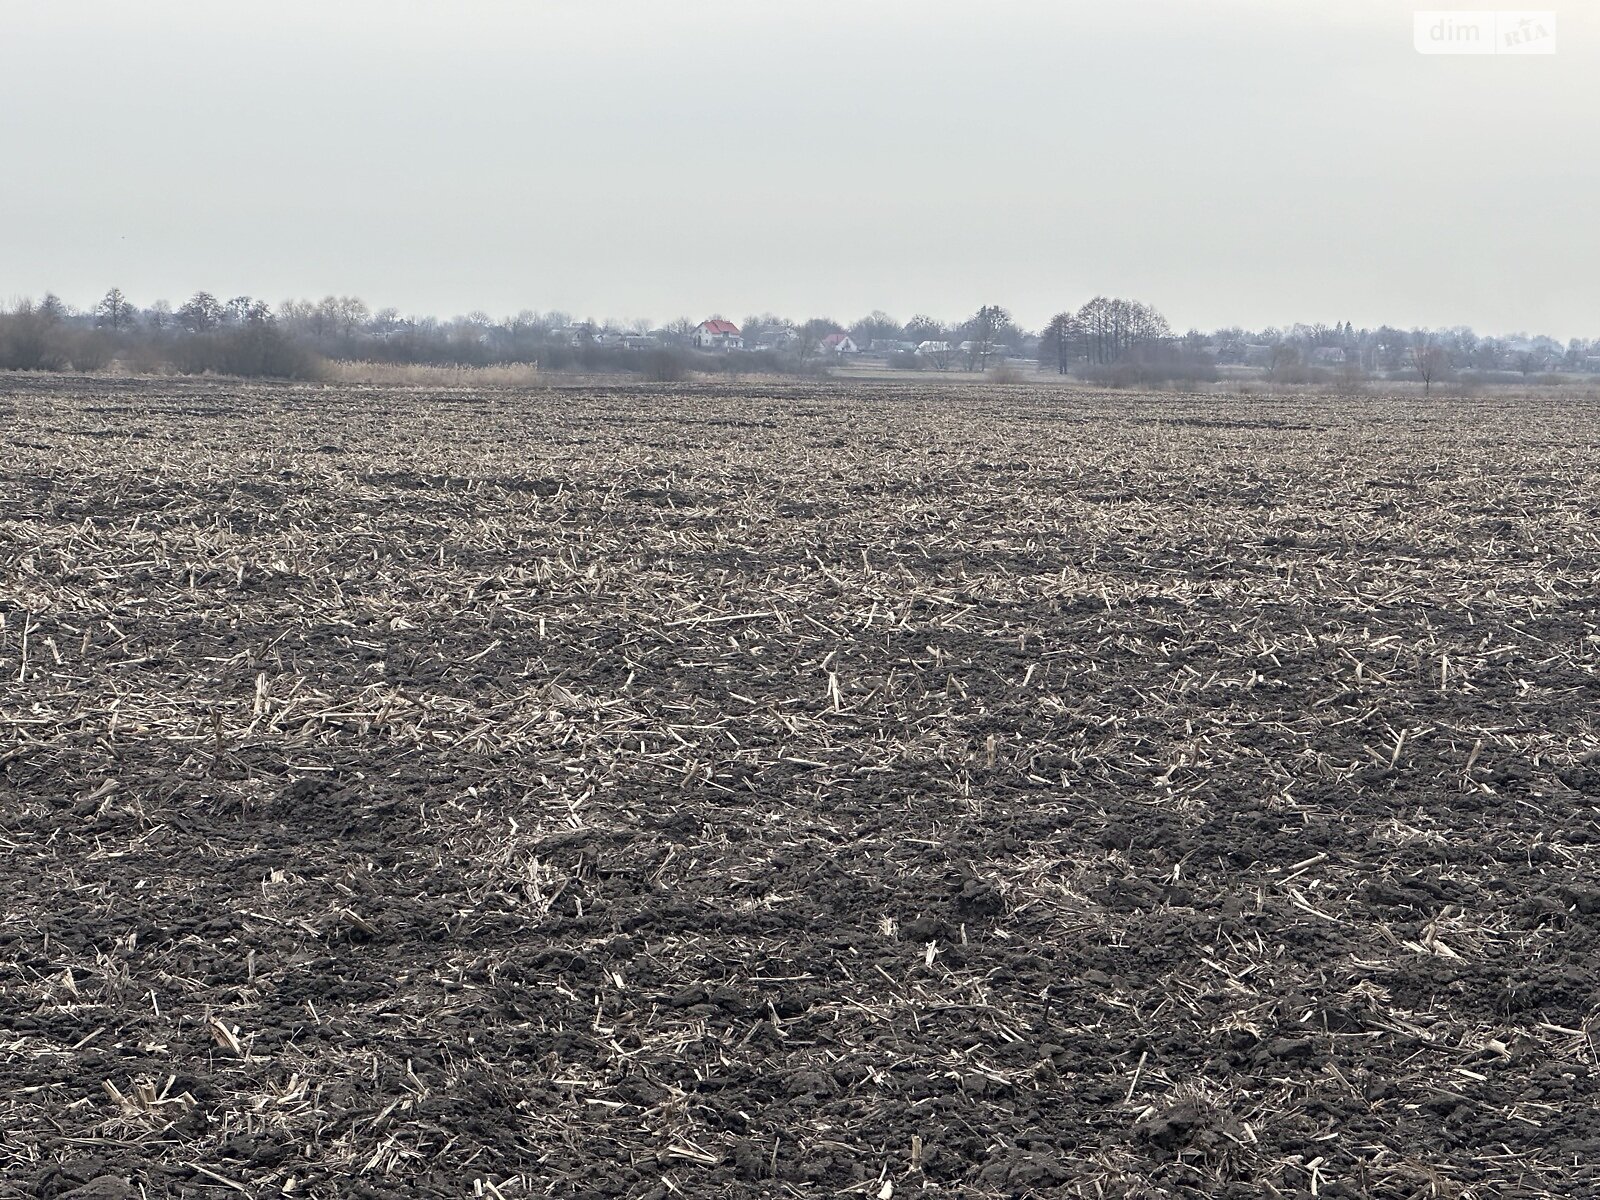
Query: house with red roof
x,y
717,334
839,343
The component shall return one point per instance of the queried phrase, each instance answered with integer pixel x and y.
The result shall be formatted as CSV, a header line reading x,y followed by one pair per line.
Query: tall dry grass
x,y
420,375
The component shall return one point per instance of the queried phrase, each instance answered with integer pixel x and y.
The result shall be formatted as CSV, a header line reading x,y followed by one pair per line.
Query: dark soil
x,y
820,791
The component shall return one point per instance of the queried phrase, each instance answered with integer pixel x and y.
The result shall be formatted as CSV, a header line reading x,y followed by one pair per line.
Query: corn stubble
x,y
795,790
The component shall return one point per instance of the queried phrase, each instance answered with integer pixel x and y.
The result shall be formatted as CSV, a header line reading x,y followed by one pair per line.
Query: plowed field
x,y
801,790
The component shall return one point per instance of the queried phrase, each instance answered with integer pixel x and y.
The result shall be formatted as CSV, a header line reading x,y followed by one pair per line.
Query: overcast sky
x,y
1230,161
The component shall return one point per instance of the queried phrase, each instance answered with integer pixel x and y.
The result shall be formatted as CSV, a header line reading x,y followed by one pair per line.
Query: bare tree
x,y
1429,359
1057,340
353,314
323,319
876,325
201,313
296,315
1112,328
1095,320
388,320
114,312
983,333
811,335
1282,357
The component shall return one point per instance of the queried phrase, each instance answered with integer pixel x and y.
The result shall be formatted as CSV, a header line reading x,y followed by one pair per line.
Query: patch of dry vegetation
x,y
796,790
426,375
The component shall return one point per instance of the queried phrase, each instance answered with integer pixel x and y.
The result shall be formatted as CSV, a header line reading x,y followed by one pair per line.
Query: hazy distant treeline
x,y
242,337
1107,339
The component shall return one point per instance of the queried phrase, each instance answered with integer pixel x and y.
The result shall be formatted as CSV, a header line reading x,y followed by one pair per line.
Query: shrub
x,y
663,366
1155,372
260,349
89,350
31,342
1350,380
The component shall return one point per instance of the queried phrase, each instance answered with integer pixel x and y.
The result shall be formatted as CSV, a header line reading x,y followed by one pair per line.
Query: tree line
x,y
1107,339
237,337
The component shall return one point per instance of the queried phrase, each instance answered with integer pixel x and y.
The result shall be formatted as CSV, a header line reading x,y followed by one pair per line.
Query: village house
x,y
839,343
717,334
777,339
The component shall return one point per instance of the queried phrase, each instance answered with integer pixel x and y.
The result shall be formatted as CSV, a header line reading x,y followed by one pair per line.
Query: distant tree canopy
x,y
1058,341
1104,331
876,326
1106,338
1111,328
52,310
764,329
114,312
201,313
809,344
985,333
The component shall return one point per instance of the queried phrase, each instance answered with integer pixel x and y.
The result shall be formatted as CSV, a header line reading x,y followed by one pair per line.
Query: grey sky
x,y
1249,161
